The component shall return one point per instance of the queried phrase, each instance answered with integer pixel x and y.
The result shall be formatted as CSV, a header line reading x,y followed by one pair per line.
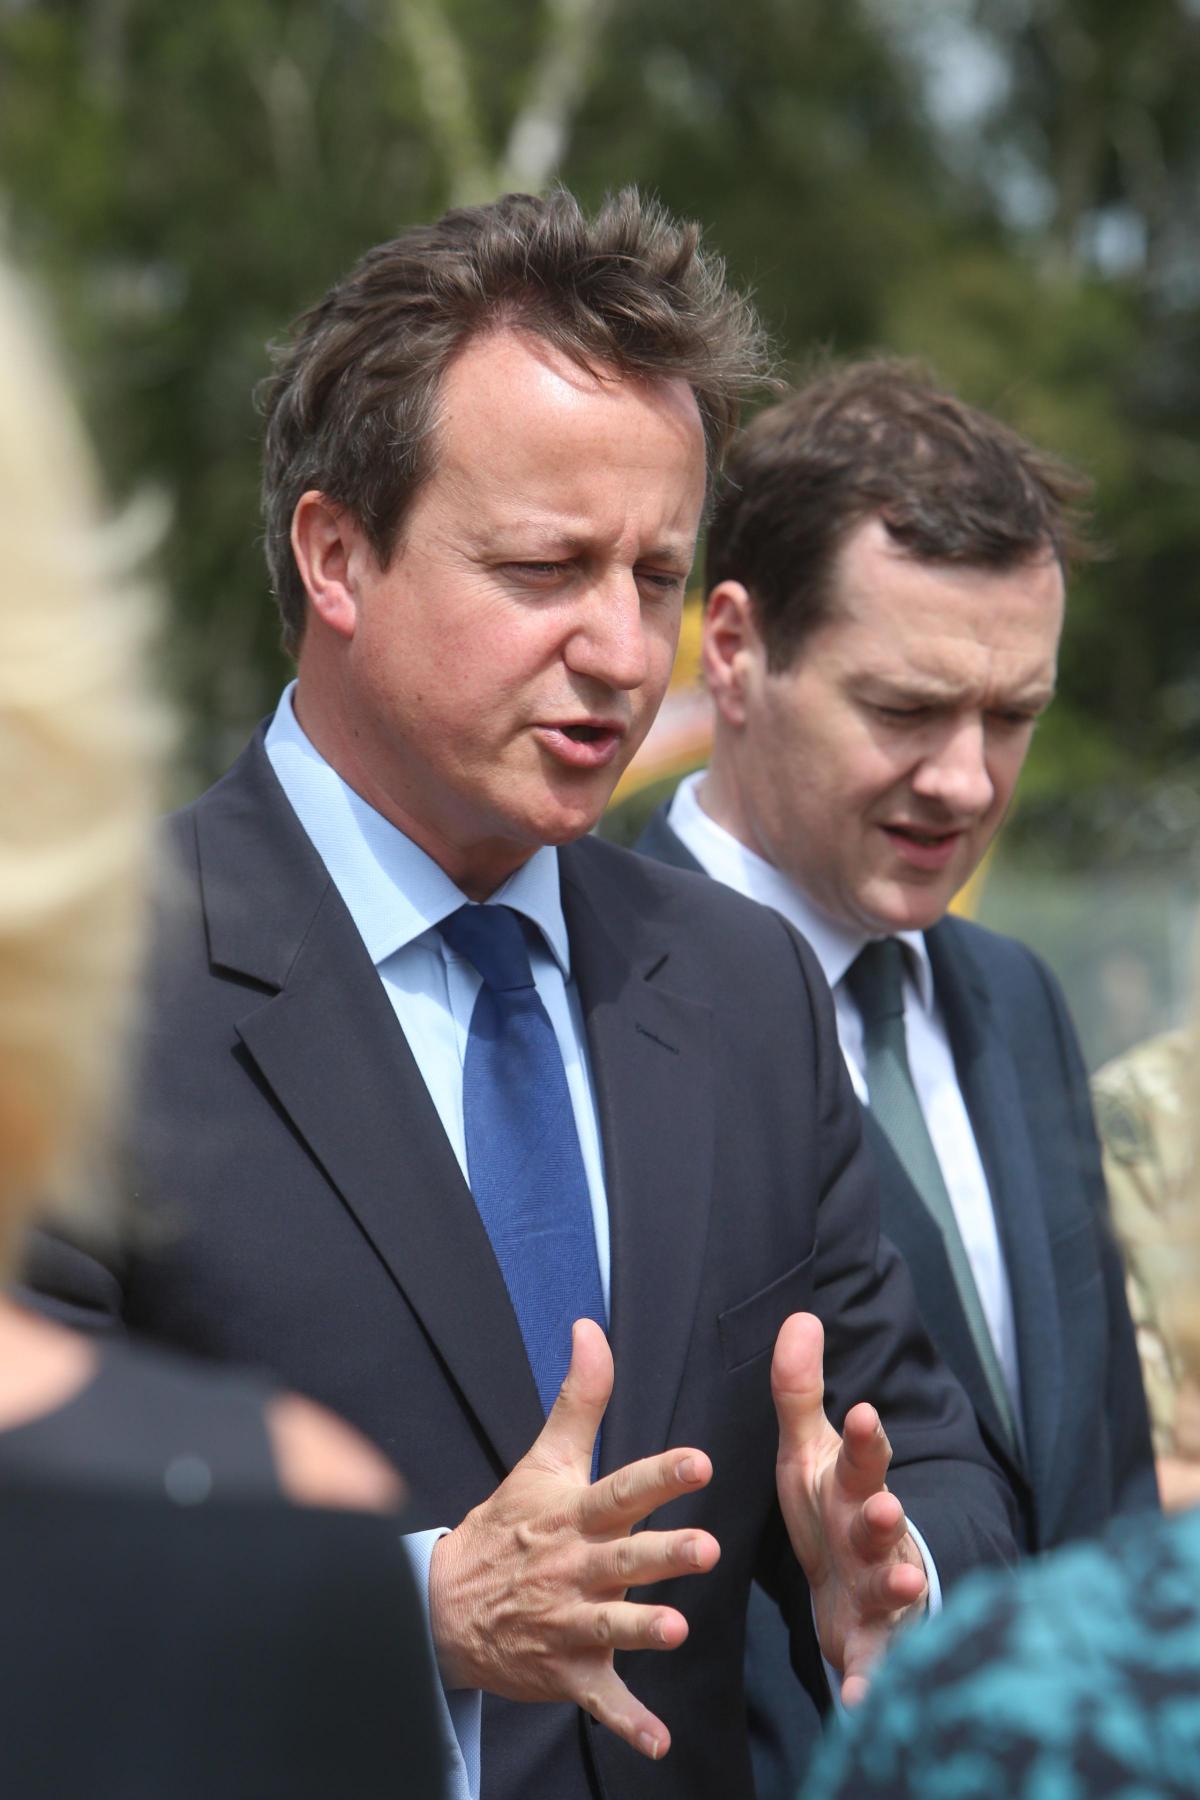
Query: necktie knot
x,y
491,938
876,981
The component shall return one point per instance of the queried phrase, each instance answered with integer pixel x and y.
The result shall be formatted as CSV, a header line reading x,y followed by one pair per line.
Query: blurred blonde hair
x,y
79,741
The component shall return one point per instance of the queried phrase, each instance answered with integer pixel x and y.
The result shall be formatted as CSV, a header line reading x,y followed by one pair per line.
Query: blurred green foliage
x,y
1009,190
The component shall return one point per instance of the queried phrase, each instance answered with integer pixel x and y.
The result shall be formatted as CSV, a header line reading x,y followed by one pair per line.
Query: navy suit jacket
x,y
1088,1451
304,1210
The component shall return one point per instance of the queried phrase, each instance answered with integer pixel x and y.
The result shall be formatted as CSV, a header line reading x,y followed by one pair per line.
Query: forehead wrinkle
x,y
918,672
520,528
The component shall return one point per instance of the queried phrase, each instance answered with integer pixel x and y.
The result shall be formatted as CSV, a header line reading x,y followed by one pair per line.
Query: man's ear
x,y
326,544
730,649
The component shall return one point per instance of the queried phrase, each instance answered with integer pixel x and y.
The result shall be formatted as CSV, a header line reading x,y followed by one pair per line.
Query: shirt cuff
x,y
933,1600
460,1709
933,1604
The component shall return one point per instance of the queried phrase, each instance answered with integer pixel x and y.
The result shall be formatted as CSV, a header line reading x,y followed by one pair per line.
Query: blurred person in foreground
x,y
885,571
169,1626
1143,1101
1079,1678
447,1097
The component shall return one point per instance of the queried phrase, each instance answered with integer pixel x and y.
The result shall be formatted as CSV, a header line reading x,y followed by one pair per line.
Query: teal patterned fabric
x,y
1078,1679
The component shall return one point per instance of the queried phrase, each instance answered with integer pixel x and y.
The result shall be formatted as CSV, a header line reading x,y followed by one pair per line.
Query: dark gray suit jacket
x,y
311,1217
1087,1435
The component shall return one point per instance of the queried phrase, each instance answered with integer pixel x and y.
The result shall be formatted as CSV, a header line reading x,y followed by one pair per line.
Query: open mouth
x,y
582,745
927,850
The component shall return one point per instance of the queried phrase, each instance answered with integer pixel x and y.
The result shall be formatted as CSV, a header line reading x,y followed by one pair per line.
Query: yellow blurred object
x,y
680,736
966,902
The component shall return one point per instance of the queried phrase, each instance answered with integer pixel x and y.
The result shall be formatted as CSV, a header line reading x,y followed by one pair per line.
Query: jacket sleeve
x,y
877,1349
1133,1483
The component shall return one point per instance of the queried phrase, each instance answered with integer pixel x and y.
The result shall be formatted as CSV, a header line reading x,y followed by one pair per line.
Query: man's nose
x,y
955,772
608,642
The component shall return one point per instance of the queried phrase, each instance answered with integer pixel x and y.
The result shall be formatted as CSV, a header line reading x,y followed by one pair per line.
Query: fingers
x,y
565,1440
855,1689
865,1455
888,1589
611,1704
864,1649
631,1562
878,1528
798,1385
633,1492
623,1625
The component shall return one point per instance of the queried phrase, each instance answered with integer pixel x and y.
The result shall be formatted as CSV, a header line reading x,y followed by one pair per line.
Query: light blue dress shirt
x,y
397,896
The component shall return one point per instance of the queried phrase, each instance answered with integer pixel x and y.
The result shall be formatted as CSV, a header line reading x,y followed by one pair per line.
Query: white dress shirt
x,y
930,1057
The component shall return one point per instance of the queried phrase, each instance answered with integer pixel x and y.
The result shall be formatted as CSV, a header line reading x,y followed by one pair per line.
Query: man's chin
x,y
573,809
902,906
567,826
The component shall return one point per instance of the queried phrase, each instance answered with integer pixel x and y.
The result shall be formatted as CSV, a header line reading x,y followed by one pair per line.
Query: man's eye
x,y
900,714
661,580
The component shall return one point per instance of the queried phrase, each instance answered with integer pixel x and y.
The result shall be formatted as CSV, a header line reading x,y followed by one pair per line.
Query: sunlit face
x,y
487,688
876,770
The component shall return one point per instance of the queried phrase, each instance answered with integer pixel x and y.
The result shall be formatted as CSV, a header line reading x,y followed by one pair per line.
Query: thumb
x,y
798,1385
566,1439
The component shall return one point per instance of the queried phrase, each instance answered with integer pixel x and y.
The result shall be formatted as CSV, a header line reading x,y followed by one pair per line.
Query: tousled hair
x,y
880,438
351,409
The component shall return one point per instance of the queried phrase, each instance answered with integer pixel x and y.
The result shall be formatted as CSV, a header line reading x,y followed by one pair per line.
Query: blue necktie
x,y
523,1157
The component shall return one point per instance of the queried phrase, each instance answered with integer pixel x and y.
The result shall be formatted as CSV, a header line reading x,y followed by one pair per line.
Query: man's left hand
x,y
849,1533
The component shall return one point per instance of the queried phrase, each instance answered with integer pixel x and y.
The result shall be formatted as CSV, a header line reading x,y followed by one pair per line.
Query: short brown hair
x,y
351,408
880,438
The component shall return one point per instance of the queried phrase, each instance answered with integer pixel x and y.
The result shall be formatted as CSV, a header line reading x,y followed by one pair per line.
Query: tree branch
x,y
444,84
539,134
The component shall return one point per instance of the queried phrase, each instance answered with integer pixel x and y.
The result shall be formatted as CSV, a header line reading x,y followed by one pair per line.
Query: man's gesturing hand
x,y
849,1533
527,1596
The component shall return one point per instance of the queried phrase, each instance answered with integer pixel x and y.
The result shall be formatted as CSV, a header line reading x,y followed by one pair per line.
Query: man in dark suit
x,y
886,586
428,1082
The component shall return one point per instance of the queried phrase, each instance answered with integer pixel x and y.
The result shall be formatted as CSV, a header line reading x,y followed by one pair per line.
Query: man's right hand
x,y
527,1596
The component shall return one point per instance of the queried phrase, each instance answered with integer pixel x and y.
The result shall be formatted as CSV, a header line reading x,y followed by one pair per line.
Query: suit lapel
x,y
909,1224
660,841
988,1080
651,1056
328,1047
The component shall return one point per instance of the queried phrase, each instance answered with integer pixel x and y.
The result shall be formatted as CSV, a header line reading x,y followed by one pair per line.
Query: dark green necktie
x,y
876,983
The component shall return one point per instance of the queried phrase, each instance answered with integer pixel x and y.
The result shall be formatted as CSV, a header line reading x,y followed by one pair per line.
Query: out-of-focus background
x,y
1008,188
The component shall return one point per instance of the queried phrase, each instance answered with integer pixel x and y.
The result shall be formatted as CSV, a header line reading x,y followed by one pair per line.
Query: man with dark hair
x,y
437,1097
886,585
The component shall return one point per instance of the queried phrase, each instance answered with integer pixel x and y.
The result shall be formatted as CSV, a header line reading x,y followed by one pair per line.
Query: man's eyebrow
x,y
931,692
679,552
1037,697
530,540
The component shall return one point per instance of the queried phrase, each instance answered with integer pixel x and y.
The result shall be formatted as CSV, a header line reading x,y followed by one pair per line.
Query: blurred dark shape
x,y
226,1652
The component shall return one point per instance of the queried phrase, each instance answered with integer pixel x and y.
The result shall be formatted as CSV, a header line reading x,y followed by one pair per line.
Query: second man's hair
x,y
879,438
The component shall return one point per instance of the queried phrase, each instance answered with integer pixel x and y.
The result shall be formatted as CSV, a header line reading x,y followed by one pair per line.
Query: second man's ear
x,y
730,647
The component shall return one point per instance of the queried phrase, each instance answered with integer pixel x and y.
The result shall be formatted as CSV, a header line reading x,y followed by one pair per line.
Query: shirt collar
x,y
393,890
729,860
